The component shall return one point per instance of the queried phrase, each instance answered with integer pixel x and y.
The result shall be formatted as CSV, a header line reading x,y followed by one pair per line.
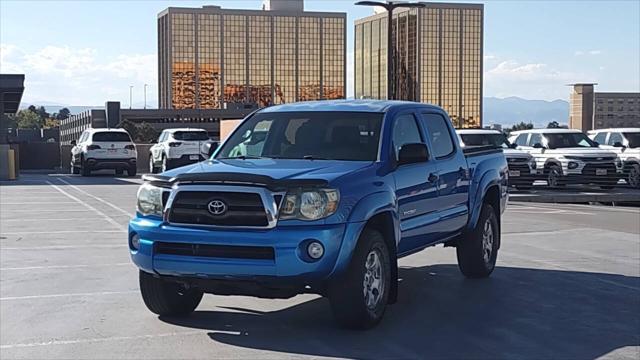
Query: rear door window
x,y
111,136
191,135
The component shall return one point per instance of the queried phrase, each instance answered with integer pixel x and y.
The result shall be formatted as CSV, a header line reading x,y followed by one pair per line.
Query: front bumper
x,y
287,243
599,173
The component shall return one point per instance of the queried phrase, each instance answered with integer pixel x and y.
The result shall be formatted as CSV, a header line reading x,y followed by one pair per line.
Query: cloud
x,y
587,52
490,57
529,80
79,76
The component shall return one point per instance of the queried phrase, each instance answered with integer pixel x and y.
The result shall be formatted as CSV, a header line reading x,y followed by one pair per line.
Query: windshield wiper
x,y
311,157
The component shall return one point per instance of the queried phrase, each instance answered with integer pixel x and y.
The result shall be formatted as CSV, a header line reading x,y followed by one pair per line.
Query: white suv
x,y
625,142
568,156
179,147
99,149
523,170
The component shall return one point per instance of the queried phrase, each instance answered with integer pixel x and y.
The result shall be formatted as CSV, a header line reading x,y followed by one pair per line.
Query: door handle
x,y
433,178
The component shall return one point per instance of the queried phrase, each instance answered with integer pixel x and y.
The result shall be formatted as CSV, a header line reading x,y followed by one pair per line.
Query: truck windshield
x,y
633,138
111,136
351,136
568,140
191,135
498,140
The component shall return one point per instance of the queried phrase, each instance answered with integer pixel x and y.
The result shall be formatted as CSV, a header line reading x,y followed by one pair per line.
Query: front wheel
x,y
152,166
477,251
359,297
634,176
168,298
554,175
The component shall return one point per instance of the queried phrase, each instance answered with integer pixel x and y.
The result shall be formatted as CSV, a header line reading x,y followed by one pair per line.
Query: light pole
x,y
130,95
145,95
389,6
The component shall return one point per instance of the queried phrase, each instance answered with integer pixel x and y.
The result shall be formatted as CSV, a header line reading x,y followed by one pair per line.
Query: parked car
x,y
179,147
523,170
568,156
336,193
99,149
625,142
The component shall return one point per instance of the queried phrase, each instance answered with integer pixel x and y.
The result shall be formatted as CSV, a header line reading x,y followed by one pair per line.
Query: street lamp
x,y
389,6
145,95
130,95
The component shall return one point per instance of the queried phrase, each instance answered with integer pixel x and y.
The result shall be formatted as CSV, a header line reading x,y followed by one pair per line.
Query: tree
x,y
553,125
141,133
27,119
63,114
522,126
42,112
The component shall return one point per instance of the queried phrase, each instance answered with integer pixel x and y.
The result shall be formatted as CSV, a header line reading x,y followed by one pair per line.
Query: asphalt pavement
x,y
566,286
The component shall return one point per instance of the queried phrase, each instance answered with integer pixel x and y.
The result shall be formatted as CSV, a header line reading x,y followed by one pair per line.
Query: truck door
x,y
416,188
453,182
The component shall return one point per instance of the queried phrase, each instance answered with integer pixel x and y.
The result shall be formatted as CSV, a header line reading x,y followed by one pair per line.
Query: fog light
x,y
572,165
315,250
135,242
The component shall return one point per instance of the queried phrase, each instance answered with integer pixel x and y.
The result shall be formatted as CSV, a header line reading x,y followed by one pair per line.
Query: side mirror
x,y
618,144
211,147
73,143
413,153
513,146
538,146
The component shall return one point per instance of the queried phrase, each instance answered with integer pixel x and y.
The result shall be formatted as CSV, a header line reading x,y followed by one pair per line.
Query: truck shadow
x,y
517,313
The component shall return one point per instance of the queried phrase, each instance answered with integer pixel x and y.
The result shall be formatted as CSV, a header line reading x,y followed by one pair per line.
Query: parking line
x,y
49,296
63,266
52,219
37,202
98,198
62,232
104,339
107,218
60,247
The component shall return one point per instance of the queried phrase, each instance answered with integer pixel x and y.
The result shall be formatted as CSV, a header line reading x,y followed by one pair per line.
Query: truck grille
x,y
215,251
241,209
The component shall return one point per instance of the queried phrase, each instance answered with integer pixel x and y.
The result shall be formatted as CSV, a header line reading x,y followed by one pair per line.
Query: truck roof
x,y
367,105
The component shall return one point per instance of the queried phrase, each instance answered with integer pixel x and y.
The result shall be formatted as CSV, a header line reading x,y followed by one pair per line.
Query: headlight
x,y
572,165
309,204
149,200
532,163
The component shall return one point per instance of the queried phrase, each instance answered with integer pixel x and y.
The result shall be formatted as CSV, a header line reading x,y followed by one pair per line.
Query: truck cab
x,y
325,199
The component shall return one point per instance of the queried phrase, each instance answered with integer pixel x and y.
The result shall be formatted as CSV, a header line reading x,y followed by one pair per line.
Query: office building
x,y
438,58
589,110
210,57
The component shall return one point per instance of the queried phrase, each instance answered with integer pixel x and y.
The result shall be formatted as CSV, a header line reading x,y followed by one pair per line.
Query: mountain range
x,y
505,111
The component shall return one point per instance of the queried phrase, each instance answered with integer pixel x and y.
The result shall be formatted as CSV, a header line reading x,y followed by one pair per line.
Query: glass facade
x,y
211,57
438,58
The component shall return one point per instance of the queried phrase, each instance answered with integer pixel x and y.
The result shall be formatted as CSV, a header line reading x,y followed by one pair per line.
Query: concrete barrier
x,y
578,195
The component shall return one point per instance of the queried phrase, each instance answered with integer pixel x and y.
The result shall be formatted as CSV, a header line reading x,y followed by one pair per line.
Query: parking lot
x,y
567,285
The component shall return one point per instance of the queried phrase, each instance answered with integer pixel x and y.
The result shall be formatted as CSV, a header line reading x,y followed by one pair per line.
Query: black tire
x,y
132,171
119,172
347,292
473,260
633,178
85,170
554,176
152,168
167,298
75,170
166,165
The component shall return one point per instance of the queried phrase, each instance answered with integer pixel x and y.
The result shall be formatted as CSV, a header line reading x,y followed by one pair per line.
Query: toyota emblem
x,y
217,207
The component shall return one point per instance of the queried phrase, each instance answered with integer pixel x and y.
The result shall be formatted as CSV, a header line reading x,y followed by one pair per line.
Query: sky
x,y
87,52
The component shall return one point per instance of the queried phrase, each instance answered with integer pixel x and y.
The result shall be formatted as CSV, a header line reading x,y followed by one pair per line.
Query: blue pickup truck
x,y
318,197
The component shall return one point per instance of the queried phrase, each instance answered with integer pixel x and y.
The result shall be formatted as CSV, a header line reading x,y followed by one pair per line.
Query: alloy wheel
x,y
487,242
373,283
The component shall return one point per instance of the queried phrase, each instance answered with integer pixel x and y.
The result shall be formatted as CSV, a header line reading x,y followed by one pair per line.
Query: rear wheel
x,y
478,250
85,170
165,163
75,170
359,297
634,176
132,170
167,298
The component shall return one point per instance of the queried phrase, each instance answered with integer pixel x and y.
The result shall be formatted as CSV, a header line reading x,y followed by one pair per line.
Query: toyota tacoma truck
x,y
326,200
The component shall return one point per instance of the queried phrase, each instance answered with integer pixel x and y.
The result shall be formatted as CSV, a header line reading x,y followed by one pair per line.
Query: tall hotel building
x,y
209,57
438,52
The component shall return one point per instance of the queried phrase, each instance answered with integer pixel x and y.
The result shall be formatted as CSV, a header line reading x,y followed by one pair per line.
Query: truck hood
x,y
278,169
514,153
